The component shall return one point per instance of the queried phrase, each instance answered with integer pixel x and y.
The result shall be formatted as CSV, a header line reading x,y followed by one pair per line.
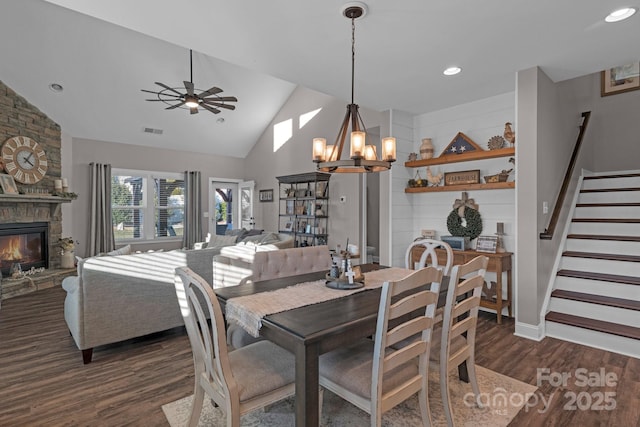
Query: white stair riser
x,y
603,246
610,197
605,228
622,268
607,212
614,343
598,287
629,182
595,311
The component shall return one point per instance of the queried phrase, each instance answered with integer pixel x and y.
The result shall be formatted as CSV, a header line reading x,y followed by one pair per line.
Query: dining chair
x,y
373,375
429,256
239,381
459,326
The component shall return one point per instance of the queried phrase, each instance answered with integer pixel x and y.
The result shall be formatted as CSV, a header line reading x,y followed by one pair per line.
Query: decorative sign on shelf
x,y
488,244
462,177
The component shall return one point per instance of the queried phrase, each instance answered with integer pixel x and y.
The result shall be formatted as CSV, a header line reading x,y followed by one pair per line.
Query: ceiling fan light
x,y
191,101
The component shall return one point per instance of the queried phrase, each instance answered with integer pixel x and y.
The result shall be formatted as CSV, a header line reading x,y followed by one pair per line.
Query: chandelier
x,y
362,156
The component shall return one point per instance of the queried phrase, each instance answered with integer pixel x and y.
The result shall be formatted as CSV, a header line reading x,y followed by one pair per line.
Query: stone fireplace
x,y
34,204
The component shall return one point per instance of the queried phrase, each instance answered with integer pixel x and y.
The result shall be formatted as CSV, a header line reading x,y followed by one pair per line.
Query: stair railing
x,y
547,234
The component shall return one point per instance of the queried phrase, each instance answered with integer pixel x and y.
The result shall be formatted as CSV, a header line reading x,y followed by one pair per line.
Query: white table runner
x,y
249,310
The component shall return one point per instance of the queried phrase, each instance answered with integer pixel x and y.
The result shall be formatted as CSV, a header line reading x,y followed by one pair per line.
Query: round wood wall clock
x,y
24,159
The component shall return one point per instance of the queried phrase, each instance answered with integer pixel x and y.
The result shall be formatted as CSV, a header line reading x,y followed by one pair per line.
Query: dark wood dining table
x,y
312,330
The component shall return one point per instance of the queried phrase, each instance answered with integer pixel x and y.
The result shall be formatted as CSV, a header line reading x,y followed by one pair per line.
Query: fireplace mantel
x,y
33,198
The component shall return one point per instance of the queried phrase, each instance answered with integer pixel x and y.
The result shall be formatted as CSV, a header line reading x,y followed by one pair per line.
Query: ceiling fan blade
x,y
223,99
213,110
219,105
194,110
209,92
175,106
168,88
189,87
160,93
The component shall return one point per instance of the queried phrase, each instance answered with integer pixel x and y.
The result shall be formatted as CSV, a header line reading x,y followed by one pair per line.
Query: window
x,y
147,205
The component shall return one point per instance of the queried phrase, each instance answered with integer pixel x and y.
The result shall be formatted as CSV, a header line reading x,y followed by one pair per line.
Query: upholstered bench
x,y
272,264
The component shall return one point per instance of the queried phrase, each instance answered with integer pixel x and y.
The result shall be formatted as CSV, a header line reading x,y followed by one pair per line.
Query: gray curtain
x,y
101,230
192,222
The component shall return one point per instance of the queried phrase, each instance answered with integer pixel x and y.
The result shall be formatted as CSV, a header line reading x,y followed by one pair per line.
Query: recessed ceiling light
x,y
56,87
452,71
620,14
220,120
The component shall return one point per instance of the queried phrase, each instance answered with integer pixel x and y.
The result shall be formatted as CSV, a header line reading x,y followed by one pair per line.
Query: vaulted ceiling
x,y
103,52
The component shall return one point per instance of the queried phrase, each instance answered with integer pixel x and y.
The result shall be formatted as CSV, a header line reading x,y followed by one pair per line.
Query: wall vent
x,y
153,131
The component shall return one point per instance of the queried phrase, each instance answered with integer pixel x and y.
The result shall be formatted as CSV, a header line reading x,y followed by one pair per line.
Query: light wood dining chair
x,y
239,381
459,326
374,376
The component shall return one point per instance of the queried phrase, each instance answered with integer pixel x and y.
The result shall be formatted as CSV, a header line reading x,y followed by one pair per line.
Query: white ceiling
x,y
260,50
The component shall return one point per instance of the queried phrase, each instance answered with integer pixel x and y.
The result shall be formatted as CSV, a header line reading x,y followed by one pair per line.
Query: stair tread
x,y
614,220
624,175
594,325
609,190
597,299
596,255
598,205
604,237
629,280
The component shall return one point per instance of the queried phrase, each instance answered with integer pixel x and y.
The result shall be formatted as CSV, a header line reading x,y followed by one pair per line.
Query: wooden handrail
x,y
548,232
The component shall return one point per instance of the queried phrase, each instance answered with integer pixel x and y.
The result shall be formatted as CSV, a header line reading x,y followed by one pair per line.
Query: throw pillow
x,y
125,250
253,232
218,240
253,239
240,233
269,238
200,245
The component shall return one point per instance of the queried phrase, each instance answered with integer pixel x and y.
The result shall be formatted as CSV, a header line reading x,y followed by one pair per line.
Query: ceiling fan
x,y
208,99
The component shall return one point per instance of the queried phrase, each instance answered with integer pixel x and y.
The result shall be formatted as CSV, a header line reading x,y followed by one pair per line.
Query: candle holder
x,y
500,232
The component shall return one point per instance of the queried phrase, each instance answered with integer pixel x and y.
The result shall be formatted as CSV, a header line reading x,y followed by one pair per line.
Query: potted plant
x,y
67,245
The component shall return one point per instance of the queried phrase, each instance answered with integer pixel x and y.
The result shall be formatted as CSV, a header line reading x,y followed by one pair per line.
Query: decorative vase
x,y
67,260
426,149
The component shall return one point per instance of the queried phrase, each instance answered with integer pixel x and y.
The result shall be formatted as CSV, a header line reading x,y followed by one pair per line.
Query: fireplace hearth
x,y
26,244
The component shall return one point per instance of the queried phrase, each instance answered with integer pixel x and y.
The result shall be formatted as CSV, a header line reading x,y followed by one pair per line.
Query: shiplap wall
x,y
479,120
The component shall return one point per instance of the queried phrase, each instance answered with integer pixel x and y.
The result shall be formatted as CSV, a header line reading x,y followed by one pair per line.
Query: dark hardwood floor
x,y
43,381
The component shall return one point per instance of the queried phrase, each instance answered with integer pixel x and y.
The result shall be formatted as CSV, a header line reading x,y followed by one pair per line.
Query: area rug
x,y
503,397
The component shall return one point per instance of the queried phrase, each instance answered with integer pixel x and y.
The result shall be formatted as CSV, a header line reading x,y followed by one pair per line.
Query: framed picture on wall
x,y
8,184
623,78
266,195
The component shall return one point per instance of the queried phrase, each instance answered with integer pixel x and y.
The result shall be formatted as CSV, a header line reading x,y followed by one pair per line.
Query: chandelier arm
x,y
342,135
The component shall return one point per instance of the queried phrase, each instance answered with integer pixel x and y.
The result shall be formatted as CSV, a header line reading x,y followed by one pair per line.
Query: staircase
x,y
596,295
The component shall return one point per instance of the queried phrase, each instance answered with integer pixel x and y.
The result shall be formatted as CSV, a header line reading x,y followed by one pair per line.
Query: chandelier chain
x,y
353,55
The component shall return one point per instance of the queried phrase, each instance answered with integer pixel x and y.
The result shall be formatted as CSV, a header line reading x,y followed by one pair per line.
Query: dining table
x,y
311,330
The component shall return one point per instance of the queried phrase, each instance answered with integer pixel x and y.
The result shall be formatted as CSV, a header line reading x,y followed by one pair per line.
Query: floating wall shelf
x,y
466,157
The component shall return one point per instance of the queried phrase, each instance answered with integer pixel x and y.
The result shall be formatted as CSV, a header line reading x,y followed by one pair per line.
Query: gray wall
x,y
263,164
548,115
140,158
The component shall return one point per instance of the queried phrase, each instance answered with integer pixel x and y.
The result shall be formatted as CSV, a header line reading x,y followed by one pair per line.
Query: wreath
x,y
473,227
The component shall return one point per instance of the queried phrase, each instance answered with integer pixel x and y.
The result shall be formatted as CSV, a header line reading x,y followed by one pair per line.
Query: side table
x,y
498,263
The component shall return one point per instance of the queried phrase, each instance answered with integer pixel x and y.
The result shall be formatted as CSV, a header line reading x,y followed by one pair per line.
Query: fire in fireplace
x,y
26,244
